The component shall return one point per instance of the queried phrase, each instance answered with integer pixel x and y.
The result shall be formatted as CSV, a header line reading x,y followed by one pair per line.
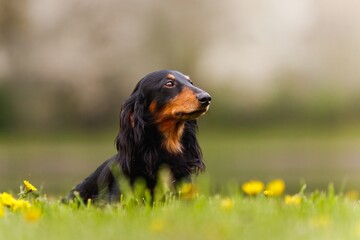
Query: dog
x,y
158,124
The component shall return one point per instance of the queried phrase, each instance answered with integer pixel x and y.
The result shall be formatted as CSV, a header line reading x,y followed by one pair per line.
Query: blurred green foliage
x,y
64,76
320,109
40,106
7,116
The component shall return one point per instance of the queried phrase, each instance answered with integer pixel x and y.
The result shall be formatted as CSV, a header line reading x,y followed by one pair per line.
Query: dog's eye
x,y
169,84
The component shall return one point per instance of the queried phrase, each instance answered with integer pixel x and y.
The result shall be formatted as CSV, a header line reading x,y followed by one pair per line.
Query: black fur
x,y
141,151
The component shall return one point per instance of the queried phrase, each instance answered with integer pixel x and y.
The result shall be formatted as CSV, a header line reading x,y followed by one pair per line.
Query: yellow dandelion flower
x,y
157,225
269,193
7,199
275,188
188,191
227,204
32,215
253,187
29,187
21,205
2,211
292,200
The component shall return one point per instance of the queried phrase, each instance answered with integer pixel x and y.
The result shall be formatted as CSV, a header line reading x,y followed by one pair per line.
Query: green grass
x,y
320,215
59,162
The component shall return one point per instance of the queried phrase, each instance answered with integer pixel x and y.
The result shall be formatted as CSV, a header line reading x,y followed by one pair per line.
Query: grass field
x,y
218,209
192,215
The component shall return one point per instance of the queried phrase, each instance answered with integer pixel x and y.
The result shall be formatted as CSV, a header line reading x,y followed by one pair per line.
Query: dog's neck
x,y
172,132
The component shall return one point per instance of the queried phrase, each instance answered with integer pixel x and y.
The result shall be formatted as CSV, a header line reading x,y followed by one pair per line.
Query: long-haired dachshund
x,y
157,127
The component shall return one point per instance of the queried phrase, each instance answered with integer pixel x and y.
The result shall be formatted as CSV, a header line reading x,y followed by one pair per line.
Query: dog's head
x,y
172,95
167,100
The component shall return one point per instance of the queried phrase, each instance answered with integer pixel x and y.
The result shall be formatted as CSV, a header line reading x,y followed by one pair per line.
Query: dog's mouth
x,y
193,114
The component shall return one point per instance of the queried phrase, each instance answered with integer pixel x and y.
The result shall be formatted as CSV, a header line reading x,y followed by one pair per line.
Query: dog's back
x,y
101,184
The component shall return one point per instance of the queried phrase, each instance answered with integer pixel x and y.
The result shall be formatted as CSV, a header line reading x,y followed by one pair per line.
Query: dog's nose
x,y
204,98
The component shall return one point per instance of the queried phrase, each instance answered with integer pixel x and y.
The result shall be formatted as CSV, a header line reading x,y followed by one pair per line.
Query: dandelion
x,y
253,187
275,188
227,204
7,199
188,191
29,187
2,211
32,215
292,200
269,193
21,205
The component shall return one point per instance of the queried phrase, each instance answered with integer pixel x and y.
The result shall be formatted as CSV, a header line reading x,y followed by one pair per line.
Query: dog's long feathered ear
x,y
193,147
131,128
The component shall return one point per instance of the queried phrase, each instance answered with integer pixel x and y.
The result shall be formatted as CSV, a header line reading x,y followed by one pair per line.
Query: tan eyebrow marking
x,y
187,77
170,76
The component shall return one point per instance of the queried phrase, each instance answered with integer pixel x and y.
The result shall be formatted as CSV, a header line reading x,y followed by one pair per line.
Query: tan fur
x,y
185,102
170,124
172,131
132,120
170,76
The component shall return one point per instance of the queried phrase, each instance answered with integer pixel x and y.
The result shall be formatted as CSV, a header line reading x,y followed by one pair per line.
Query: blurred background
x,y
284,77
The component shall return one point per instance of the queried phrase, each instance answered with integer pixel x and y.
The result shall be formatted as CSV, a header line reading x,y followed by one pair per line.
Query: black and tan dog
x,y
157,127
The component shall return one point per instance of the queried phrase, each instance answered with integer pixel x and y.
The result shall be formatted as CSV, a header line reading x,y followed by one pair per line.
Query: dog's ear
x,y
193,148
131,128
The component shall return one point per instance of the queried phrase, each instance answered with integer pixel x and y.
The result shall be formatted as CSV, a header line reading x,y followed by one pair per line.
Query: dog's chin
x,y
192,115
